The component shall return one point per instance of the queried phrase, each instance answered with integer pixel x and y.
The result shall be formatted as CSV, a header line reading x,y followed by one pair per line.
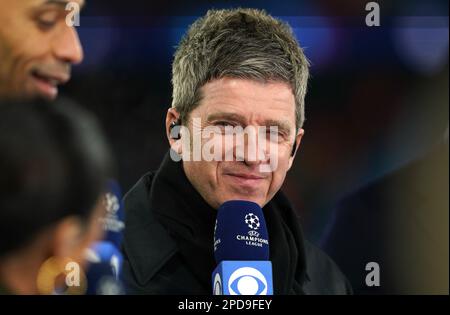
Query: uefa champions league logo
x,y
111,221
252,238
112,204
252,221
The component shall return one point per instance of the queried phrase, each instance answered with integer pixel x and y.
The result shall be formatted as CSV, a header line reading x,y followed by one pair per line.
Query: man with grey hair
x,y
234,69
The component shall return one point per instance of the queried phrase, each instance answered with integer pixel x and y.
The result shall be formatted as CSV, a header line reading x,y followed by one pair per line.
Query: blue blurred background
x,y
377,98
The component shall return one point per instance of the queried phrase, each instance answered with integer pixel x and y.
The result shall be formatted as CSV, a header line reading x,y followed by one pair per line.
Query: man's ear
x,y
298,140
73,235
67,237
172,118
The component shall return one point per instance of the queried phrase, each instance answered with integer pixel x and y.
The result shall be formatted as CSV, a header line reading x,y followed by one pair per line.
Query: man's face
x,y
245,103
37,47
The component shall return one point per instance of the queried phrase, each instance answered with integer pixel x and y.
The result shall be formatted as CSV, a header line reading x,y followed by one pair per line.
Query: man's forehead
x,y
39,3
81,3
224,89
280,122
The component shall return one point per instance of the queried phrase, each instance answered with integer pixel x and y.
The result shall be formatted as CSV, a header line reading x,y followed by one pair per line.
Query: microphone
x,y
105,264
241,250
104,257
113,222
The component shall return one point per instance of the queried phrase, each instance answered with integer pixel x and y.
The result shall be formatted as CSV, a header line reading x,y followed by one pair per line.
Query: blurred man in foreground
x,y
54,164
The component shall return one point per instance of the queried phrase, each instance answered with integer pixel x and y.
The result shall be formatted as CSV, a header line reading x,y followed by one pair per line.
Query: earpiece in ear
x,y
175,130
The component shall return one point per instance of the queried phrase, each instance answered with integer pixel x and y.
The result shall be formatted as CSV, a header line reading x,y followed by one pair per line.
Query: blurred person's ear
x,y
67,237
72,235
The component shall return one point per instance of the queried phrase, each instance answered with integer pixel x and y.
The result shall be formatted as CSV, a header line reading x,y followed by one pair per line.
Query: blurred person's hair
x,y
54,163
238,43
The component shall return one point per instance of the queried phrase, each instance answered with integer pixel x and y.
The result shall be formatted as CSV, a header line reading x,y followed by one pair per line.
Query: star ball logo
x,y
112,203
252,221
111,221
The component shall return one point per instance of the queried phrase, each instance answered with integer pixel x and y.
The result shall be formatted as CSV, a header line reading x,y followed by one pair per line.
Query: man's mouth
x,y
246,176
245,179
47,83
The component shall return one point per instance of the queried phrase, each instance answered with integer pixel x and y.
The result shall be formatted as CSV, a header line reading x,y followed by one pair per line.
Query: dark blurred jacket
x,y
401,222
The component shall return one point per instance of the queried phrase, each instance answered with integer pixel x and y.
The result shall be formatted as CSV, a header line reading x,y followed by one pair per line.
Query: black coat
x,y
168,242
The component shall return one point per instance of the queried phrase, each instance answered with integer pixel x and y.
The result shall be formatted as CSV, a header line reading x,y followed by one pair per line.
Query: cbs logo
x,y
247,281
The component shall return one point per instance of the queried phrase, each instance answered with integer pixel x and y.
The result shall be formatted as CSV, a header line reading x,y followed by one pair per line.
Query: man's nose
x,y
67,46
255,150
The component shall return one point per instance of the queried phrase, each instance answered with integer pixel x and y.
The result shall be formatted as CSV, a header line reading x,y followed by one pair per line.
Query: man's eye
x,y
47,24
275,135
47,20
271,131
224,124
